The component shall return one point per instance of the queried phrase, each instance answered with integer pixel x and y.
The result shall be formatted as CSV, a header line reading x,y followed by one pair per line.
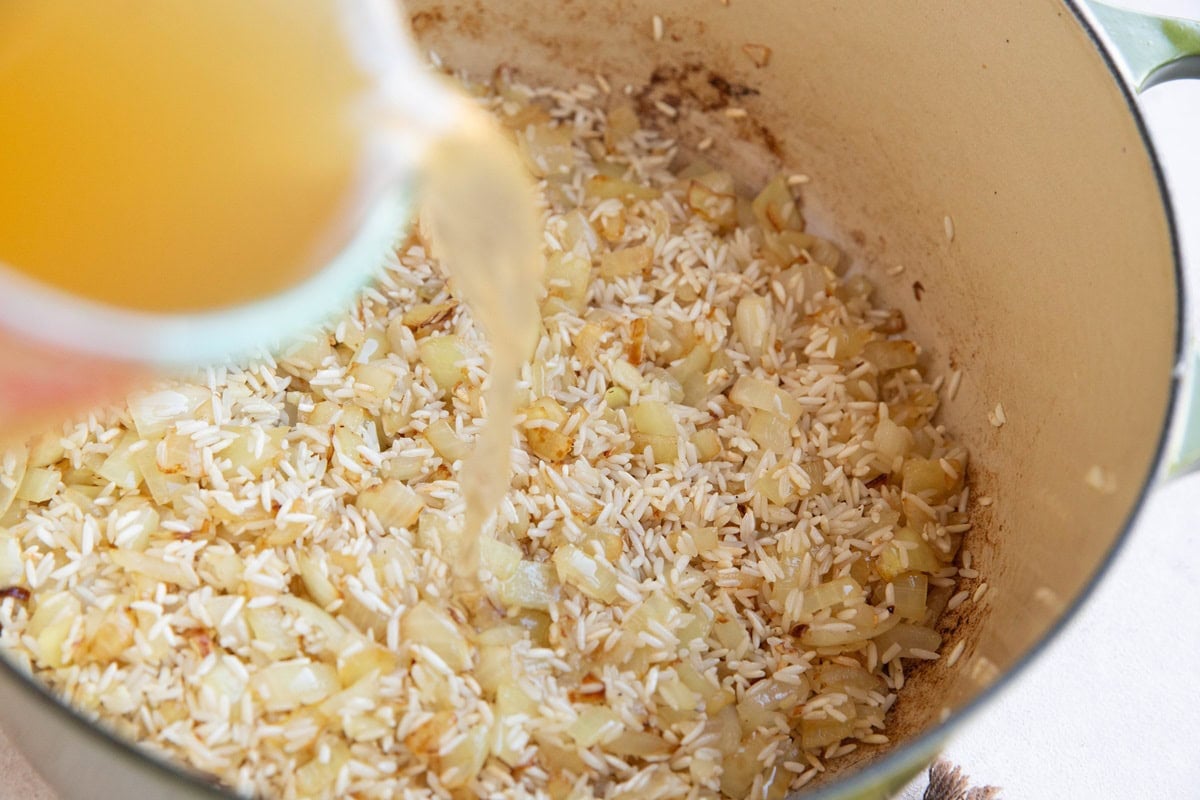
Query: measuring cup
x,y
64,349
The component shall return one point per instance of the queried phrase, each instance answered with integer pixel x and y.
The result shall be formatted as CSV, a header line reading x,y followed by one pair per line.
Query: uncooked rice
x,y
722,475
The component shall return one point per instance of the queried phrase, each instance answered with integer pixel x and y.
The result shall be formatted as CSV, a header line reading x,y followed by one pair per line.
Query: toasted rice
x,y
179,601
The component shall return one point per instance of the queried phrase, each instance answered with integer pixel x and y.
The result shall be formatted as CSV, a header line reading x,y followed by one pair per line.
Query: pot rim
x,y
912,753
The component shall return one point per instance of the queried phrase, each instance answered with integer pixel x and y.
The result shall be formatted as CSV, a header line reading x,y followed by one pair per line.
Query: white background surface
x,y
1110,710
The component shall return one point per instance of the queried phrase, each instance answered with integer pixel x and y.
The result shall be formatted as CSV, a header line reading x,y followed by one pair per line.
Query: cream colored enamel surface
x,y
1056,295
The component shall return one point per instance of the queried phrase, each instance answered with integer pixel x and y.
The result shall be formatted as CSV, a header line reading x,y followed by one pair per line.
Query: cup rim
x,y
49,315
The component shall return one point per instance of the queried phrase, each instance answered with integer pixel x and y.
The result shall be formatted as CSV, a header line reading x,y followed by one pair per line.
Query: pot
x,y
993,150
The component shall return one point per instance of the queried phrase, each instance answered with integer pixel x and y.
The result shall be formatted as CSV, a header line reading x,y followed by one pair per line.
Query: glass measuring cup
x,y
64,346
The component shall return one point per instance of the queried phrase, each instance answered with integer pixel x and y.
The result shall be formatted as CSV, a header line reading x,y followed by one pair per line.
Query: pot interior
x,y
1056,295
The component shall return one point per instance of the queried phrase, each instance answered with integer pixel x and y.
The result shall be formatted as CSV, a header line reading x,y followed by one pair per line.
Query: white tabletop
x,y
1109,710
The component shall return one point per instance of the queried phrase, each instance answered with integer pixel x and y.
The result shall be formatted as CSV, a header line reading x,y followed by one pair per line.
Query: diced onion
x,y
463,761
907,552
605,186
640,744
404,466
849,341
771,430
567,278
549,444
927,476
271,632
622,123
316,619
752,320
654,418
695,680
741,767
12,566
892,441
891,354
51,624
393,504
39,485
499,558
176,455
758,707
45,449
719,208
733,636
909,637
318,777
162,487
690,372
819,733
595,724
616,397
316,580
705,537
222,567
910,590
839,677
119,468
495,667
546,408
511,700
627,375
655,610
362,616
578,234
825,252
153,412
612,224
547,149
627,262
839,591
726,729
368,659
675,693
607,543
253,447
428,625
776,209
446,442
664,448
707,443
593,576
373,382
224,683
776,485
443,357
532,585
788,249
419,315
155,567
866,623
763,394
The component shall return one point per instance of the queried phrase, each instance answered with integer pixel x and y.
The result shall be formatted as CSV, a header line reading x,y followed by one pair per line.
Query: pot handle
x,y
1155,49
1183,446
